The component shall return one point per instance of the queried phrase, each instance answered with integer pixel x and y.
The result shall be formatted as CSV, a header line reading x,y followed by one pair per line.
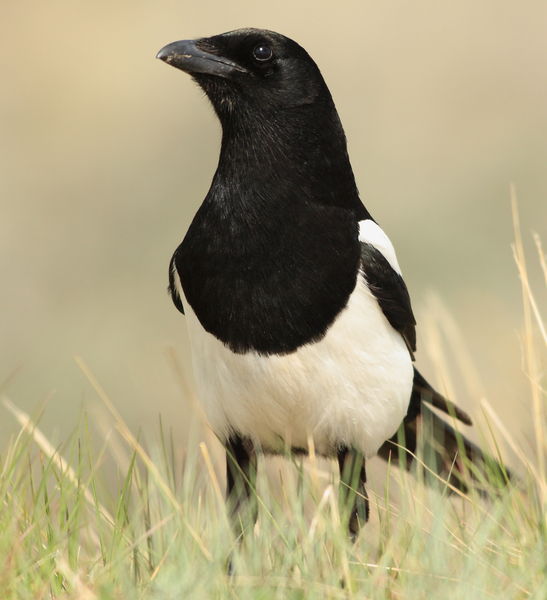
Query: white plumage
x,y
371,233
350,388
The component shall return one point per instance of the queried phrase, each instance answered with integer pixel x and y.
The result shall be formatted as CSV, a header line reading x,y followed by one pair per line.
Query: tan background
x,y
105,154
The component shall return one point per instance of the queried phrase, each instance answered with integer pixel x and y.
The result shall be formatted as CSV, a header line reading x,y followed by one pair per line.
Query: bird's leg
x,y
354,503
240,484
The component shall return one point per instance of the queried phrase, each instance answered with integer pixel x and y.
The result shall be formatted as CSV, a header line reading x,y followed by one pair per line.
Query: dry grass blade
x,y
325,498
43,443
532,361
143,455
83,591
512,444
541,255
212,474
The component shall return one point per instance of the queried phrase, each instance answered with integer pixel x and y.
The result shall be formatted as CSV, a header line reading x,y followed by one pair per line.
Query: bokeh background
x,y
106,153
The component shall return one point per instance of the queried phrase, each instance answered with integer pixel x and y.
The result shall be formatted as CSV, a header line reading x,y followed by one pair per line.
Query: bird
x,y
300,322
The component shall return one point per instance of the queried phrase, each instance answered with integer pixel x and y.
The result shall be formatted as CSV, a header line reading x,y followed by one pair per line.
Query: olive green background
x,y
106,153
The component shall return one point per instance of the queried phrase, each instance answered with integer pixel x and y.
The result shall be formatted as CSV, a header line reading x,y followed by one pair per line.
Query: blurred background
x,y
106,153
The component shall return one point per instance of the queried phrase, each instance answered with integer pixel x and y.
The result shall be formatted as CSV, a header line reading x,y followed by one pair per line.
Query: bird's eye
x,y
262,52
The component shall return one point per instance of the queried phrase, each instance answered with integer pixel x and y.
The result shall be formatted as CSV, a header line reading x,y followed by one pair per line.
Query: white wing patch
x,y
371,233
178,284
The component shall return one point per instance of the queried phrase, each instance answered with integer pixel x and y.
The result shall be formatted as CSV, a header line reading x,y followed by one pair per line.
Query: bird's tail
x,y
444,450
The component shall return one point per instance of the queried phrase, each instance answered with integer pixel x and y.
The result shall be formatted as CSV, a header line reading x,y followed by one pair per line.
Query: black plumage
x,y
258,283
391,292
275,251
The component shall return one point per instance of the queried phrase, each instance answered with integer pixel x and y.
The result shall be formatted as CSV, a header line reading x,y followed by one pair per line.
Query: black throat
x,y
272,254
303,146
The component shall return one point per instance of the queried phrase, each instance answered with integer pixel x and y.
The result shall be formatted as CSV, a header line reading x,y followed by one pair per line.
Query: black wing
x,y
443,443
390,290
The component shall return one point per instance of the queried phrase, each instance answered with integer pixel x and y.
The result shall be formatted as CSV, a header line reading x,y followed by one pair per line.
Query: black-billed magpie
x,y
300,322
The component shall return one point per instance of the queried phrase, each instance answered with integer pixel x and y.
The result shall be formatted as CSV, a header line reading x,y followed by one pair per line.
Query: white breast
x,y
350,388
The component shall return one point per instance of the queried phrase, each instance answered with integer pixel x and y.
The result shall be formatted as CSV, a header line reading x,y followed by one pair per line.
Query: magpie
x,y
300,322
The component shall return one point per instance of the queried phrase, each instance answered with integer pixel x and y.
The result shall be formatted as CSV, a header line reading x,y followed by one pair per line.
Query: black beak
x,y
186,56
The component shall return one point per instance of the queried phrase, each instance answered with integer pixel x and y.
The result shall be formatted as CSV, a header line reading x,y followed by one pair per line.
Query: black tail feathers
x,y
447,452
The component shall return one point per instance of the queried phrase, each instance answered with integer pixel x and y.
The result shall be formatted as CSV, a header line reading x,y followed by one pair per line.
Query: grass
x,y
158,528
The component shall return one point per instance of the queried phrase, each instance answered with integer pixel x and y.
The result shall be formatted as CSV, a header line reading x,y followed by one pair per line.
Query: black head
x,y
282,137
250,68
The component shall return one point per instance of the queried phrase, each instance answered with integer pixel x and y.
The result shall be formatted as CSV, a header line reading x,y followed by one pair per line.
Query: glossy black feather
x,y
273,254
450,454
391,292
258,283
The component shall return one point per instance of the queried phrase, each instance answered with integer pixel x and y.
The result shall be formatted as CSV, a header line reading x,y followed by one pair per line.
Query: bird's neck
x,y
286,157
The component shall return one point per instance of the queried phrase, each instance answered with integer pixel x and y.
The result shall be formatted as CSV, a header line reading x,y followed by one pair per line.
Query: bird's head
x,y
249,69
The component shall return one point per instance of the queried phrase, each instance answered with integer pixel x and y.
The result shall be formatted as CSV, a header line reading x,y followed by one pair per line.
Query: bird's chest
x,y
268,285
350,388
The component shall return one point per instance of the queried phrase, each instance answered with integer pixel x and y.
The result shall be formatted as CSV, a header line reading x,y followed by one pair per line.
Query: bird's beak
x,y
186,56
